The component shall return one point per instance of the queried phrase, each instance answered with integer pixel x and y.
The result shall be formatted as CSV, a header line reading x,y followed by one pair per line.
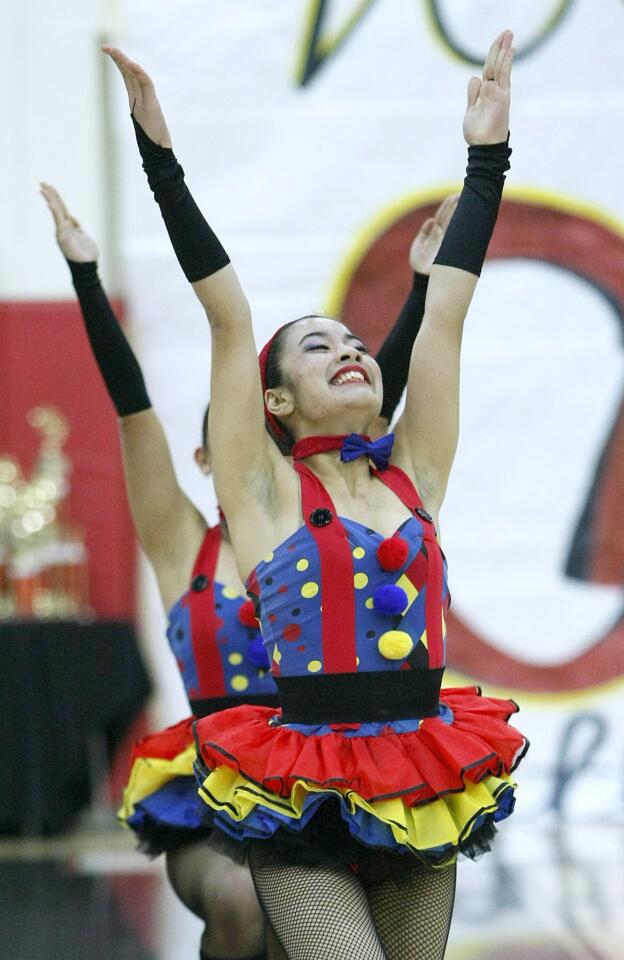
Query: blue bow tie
x,y
379,451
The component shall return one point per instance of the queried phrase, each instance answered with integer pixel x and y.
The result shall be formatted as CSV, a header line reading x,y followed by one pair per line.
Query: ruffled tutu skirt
x,y
432,787
160,802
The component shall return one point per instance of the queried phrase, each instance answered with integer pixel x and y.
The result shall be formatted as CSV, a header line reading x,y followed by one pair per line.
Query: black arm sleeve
x,y
395,352
469,233
197,248
113,354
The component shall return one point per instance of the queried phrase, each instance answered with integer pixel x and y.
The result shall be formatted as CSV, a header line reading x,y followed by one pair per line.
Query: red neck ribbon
x,y
308,446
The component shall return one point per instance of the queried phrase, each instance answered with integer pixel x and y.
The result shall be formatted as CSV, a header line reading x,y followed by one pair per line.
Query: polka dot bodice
x,y
237,646
389,624
216,639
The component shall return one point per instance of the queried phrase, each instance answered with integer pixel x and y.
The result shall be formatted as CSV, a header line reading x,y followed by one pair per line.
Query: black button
x,y
321,517
200,582
422,513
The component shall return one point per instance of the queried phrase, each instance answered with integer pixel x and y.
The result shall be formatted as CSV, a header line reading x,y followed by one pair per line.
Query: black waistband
x,y
203,708
360,697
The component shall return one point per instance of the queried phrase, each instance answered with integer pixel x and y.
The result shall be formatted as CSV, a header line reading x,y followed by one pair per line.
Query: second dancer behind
x,y
200,588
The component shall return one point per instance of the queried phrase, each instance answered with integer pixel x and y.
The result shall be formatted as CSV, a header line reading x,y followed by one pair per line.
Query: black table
x,y
64,687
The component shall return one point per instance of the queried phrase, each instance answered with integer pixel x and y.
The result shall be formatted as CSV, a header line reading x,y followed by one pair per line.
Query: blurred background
x,y
316,135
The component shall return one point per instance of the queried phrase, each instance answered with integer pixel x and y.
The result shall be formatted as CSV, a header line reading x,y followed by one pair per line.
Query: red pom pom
x,y
392,553
247,614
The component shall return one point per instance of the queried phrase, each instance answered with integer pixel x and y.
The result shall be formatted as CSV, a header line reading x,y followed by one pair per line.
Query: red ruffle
x,y
167,743
419,766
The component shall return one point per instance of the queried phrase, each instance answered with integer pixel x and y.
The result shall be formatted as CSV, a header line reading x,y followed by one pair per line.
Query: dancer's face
x,y
330,382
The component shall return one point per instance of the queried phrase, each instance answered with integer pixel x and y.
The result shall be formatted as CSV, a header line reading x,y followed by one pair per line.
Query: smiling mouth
x,y
349,375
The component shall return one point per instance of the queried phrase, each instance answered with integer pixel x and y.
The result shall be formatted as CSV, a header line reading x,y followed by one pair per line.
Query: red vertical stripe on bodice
x,y
401,485
204,619
336,563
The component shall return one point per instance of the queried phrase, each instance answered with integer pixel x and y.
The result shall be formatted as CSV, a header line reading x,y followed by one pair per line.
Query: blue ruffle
x,y
176,806
263,823
445,714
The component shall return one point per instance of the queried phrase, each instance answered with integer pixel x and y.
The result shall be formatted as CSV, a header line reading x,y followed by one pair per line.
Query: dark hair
x,y
204,433
275,377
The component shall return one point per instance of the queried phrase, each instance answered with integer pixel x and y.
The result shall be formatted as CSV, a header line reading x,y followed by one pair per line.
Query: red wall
x,y
45,359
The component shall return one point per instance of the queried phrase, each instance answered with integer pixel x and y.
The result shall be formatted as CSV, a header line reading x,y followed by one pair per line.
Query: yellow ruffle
x,y
446,820
149,774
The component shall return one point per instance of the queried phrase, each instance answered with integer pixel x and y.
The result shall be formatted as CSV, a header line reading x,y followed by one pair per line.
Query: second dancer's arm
x,y
169,526
395,352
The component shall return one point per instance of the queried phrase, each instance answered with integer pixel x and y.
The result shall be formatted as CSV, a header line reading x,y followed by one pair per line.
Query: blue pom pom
x,y
257,654
390,599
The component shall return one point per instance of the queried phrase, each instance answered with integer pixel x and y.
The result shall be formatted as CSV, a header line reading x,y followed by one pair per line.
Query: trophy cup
x,y
45,556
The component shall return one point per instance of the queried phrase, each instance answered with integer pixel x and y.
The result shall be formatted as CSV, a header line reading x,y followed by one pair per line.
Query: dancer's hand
x,y
144,105
487,115
426,243
75,244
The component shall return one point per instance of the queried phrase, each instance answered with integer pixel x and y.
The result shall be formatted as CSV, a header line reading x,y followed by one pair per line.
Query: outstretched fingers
x,y
446,210
492,56
129,69
135,78
504,79
55,204
502,55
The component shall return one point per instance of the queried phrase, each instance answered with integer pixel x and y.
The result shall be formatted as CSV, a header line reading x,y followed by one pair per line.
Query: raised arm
x,y
395,352
170,528
244,455
427,431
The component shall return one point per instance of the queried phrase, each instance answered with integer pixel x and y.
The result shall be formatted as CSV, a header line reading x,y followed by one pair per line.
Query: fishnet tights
x,y
329,913
413,916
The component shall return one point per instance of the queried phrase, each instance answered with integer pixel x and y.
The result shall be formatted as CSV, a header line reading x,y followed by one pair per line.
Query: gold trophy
x,y
10,483
44,558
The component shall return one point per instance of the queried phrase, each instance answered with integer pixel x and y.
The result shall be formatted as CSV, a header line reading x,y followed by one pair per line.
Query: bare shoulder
x,y
268,513
421,473
173,564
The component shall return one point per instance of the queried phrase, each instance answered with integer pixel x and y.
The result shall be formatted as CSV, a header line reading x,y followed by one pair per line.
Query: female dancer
x,y
161,803
199,586
358,796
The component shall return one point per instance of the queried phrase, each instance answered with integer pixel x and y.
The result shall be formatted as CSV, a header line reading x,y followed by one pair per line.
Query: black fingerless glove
x,y
469,233
113,354
197,248
396,351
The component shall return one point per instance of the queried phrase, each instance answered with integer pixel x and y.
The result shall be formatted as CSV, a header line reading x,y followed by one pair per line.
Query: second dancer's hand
x,y
487,113
426,243
75,244
142,99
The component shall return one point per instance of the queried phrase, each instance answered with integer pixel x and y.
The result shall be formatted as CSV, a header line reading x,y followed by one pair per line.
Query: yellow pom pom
x,y
395,644
231,593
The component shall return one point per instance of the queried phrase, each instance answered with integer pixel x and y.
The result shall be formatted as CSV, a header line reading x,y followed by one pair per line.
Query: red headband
x,y
276,428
